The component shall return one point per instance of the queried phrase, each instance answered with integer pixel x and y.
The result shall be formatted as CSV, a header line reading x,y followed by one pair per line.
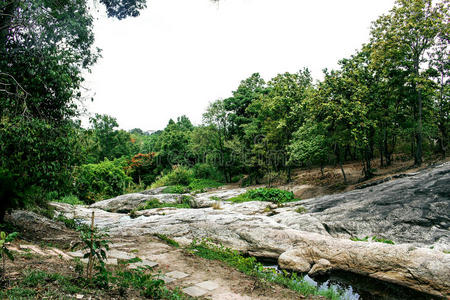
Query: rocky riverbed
x,y
310,236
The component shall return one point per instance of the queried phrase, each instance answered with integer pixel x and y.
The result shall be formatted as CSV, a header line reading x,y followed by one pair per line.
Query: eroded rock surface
x,y
413,210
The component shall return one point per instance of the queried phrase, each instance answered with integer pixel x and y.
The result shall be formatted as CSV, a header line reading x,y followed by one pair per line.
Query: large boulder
x,y
412,209
421,269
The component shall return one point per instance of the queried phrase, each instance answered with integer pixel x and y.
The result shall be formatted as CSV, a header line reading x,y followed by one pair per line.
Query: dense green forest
x,y
391,96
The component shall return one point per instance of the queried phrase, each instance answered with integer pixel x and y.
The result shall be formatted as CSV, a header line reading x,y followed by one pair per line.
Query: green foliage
x,y
176,189
203,184
179,175
4,251
265,194
109,143
184,202
301,210
168,240
94,242
248,265
94,182
206,171
70,199
143,168
9,194
373,239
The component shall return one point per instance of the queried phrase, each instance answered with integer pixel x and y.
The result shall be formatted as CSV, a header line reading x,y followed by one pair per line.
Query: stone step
x,y
194,291
144,263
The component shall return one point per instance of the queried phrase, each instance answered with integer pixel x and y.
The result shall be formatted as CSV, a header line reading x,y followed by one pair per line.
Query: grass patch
x,y
168,240
203,184
70,199
248,265
185,201
373,239
196,185
176,189
126,283
265,194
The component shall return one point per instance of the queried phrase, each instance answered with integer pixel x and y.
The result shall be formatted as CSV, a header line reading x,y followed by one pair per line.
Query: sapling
x,y
93,240
5,239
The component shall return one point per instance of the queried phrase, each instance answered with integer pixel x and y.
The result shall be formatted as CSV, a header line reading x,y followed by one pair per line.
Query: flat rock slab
x,y
60,253
76,254
194,291
120,254
177,275
165,278
230,296
144,263
109,261
208,285
34,249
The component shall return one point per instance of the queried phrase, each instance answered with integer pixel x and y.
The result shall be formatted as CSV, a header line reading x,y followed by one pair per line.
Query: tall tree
x,y
401,41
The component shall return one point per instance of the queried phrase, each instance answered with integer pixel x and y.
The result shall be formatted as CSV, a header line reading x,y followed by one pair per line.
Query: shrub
x,y
202,184
266,194
176,189
237,178
179,175
4,251
70,199
184,202
9,193
97,181
206,171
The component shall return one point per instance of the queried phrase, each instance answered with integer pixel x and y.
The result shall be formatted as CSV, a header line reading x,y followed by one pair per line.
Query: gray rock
x,y
412,209
422,269
194,291
123,203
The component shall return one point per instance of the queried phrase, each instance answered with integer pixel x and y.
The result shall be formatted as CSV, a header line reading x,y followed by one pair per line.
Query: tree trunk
x,y
419,138
343,172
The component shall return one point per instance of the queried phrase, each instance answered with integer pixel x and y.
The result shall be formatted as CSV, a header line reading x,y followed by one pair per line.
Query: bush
x,y
202,184
206,171
236,178
179,175
94,182
176,189
70,199
9,193
266,194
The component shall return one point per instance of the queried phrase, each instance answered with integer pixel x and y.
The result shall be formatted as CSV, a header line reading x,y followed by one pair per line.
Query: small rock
x,y
208,285
177,275
144,263
194,291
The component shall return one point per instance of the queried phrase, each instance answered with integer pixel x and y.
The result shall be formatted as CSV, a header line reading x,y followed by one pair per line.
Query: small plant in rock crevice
x,y
372,239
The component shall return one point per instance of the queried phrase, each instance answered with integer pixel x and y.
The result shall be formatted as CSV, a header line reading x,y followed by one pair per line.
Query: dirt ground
x,y
232,284
309,182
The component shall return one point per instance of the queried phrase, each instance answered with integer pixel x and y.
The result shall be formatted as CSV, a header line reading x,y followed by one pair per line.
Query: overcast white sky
x,y
181,54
